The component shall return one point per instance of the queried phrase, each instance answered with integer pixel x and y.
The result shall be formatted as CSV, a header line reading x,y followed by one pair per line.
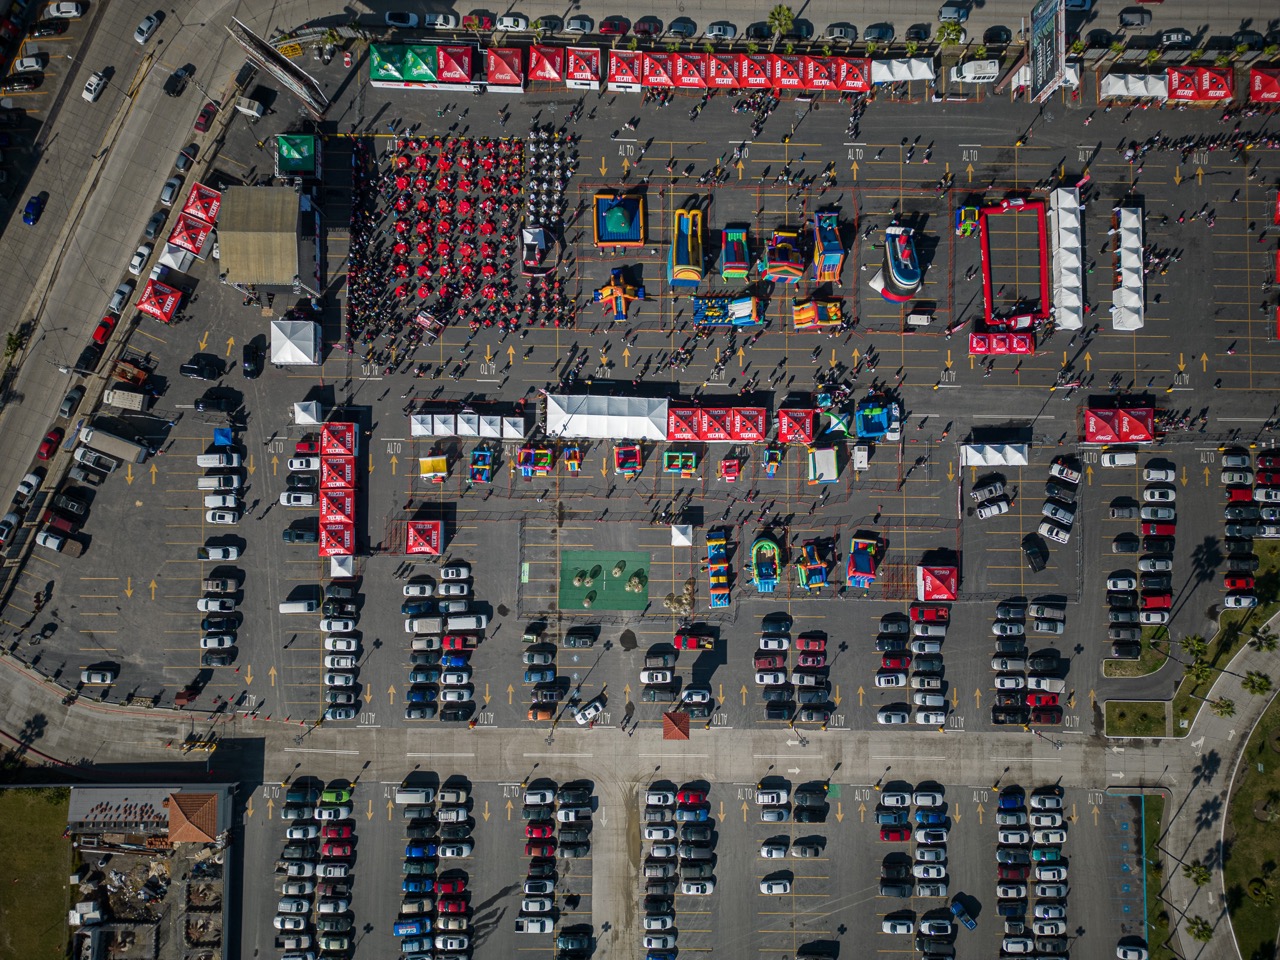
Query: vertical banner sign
x,y
1048,48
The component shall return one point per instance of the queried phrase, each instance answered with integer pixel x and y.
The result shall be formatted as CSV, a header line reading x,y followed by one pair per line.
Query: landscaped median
x,y
1154,867
38,859
1137,718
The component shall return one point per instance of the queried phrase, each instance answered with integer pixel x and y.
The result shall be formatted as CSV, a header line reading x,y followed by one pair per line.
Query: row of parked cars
x,y
793,677
925,873
1030,841
1252,510
681,832
547,807
438,614
1145,598
911,656
434,917
1027,688
314,870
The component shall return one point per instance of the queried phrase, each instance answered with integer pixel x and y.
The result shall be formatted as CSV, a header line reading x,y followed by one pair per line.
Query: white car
x,y
341,644
698,888
1122,582
773,642
455,678
1049,928
1162,514
894,798
770,678
1153,618
1239,601
339,661
418,589
339,680
659,921
455,851
1159,474
297,498
513,22
652,676
221,516
139,259
932,718
334,905
1013,837
931,854
220,553
721,30
299,888
458,571
289,922
1131,953
455,589
1017,946
337,625
64,11
893,678
1008,628
305,464
584,714
890,716
992,508
457,695
1044,837
579,24
771,797
927,798
1046,801
1011,891
928,871
93,88
659,832
1054,532
935,928
1169,494
215,605
775,886
1010,681
1056,511
1053,891
217,641
146,28
695,695
1041,820
896,926
652,798
773,851
221,500
1237,477
1051,872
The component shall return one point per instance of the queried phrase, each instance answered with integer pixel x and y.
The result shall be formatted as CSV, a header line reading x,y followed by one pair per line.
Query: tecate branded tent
x,y
1128,301
896,71
295,342
606,418
1068,258
993,455
1133,86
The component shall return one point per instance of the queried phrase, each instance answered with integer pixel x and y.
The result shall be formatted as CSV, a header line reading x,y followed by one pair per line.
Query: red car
x,y
544,848
451,641
1012,872
49,445
337,851
692,641
1234,581
770,661
1159,529
1157,601
450,904
812,660
931,614
691,797
614,26
895,834
103,332
1042,699
1268,461
1047,715
451,885
1267,479
1239,494
308,446
539,831
207,113
895,661
336,831
477,21
811,643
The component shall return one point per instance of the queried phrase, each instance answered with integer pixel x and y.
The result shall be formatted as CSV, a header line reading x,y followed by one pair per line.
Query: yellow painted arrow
x,y
248,808
152,587
981,811
153,470
1204,363
740,169
1093,698
833,360
252,468
275,465
128,588
970,361
1095,816
204,341
969,171
1088,472
391,693
626,692
602,166
862,813
626,356
488,353
1199,176
368,814
390,807
1088,361
508,809
973,474
839,812
951,469
854,168
948,359
626,164
837,698
1074,818
511,692
721,696
1177,176
128,474
861,693
1182,363
486,694
722,811
368,695
231,342
744,811
1184,476
511,356
604,467
272,674
956,816
248,675
744,694
856,355
742,356
271,806
395,462
1206,476
955,699
977,698
717,354
486,812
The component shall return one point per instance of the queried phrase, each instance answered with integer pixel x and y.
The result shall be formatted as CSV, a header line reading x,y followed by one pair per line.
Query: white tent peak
x,y
295,342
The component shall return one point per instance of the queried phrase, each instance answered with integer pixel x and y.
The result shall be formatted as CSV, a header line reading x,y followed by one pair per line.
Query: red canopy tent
x,y
713,424
1021,344
853,74
190,233
937,584
752,71
160,300
424,537
338,439
203,202
690,70
787,72
1216,83
625,70
722,71
453,64
748,424
582,68
1181,83
795,426
1115,425
337,539
657,70
1264,84
546,64
337,472
819,73
682,423
337,505
504,67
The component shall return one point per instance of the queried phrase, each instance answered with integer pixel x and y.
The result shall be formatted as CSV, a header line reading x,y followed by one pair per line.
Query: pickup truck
x,y
533,924
95,460
960,913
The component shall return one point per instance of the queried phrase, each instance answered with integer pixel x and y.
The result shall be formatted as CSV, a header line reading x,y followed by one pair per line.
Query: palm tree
x,y
1196,872
1195,646
1263,639
1223,707
1200,672
1199,929
1256,682
948,34
781,19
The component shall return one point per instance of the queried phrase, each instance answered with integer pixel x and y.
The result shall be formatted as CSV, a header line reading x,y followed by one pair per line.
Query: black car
x,y
333,608
217,625
697,711
917,33
1126,651
575,833
1008,715
1158,546
21,82
455,831
306,482
778,694
1242,563
573,851
422,830
696,832
177,81
213,403
1043,662
541,868
891,643
252,361
293,535
809,814
579,637
806,798
152,229
201,367
895,870
997,36
1035,552
217,658
573,795
11,118
47,28
660,888
1060,491
778,711
419,711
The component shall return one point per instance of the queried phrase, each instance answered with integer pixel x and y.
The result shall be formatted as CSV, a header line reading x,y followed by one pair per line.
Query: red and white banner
x,y
546,64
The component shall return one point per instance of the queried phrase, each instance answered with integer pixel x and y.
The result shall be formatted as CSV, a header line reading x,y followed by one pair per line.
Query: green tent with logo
x,y
296,153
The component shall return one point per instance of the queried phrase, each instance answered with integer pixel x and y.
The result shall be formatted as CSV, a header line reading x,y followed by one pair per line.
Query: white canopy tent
x,y
308,413
467,425
1068,258
993,455
606,418
295,342
897,71
1128,311
1070,77
681,535
342,566
1134,86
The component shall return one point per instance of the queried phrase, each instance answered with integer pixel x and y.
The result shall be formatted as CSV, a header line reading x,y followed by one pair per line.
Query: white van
x,y
224,482
299,606
418,795
976,71
218,460
1121,458
425,625
467,622
250,108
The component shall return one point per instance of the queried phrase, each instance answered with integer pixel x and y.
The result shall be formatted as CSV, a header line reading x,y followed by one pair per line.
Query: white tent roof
x,y
681,535
295,342
341,566
468,425
309,413
1068,258
1134,86
490,426
513,428
1070,77
993,455
1128,299
895,71
606,418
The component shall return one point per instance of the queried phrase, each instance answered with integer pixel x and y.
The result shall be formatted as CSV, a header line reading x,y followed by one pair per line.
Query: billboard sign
x,y
1048,50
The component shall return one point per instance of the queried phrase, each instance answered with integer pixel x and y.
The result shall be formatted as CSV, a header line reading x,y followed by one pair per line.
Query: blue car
x,y
417,885
453,660
411,928
419,851
31,213
660,955
540,675
1013,799
420,695
416,608
930,817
